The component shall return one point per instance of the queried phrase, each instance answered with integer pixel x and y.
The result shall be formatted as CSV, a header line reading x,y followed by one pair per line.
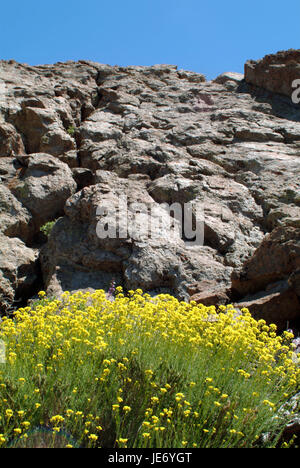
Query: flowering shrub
x,y
142,372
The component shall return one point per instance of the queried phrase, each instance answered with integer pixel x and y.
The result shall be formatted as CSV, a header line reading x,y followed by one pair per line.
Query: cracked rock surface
x,y
76,137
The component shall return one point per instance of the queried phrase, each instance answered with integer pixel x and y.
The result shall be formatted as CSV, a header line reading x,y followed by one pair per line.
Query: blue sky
x,y
208,37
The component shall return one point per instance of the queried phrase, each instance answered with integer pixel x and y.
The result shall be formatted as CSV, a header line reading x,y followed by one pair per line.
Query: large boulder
x,y
15,219
18,272
277,258
275,72
43,186
278,304
269,280
78,256
208,293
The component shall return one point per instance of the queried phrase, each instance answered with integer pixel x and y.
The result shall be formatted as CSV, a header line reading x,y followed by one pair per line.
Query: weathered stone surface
x,y
43,186
9,168
83,177
153,263
15,219
294,281
276,72
18,271
11,142
278,304
208,293
277,257
159,135
276,260
229,76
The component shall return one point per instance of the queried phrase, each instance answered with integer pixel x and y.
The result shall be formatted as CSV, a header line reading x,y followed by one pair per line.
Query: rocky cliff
x,y
77,137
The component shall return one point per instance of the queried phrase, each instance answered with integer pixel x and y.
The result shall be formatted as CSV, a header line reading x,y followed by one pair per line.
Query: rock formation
x,y
275,73
77,137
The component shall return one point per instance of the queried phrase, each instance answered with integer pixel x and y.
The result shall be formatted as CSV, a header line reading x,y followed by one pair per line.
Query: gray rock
x,y
275,72
277,304
15,219
44,186
276,259
138,259
18,271
11,142
157,134
229,76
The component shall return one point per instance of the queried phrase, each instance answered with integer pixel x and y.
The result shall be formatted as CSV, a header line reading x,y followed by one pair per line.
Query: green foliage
x,y
47,228
71,130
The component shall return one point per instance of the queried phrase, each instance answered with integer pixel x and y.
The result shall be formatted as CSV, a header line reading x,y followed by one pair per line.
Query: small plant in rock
x,y
71,130
47,228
